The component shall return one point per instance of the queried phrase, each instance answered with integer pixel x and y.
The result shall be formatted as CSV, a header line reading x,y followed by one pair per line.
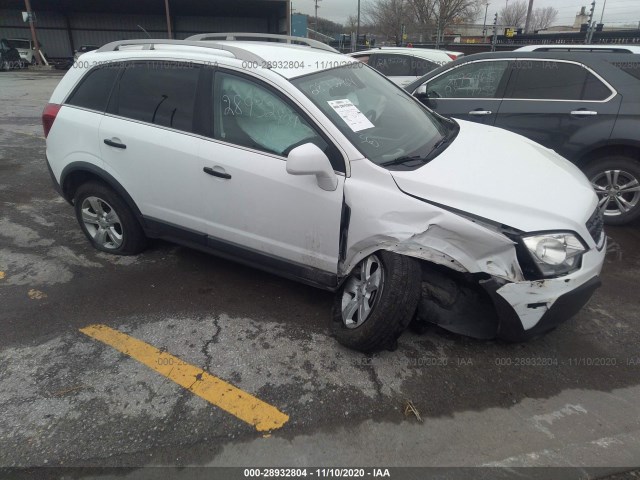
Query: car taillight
x,y
48,117
452,56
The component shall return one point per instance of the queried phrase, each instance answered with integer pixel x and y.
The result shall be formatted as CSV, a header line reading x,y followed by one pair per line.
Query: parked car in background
x,y
612,48
9,56
314,166
27,49
403,65
585,106
84,49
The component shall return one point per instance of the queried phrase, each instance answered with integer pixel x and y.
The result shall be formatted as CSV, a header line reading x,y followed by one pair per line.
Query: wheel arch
x,y
631,150
78,173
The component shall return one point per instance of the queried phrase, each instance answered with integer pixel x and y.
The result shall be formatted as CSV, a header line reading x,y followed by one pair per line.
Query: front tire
x,y
107,221
616,180
377,301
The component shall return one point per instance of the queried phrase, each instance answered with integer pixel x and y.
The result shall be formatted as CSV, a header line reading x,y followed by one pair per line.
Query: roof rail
x,y
266,36
149,44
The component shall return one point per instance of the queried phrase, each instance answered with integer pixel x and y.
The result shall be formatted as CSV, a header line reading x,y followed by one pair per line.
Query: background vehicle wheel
x,y
377,301
616,180
107,221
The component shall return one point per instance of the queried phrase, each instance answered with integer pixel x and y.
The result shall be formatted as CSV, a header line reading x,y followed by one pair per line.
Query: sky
x,y
616,12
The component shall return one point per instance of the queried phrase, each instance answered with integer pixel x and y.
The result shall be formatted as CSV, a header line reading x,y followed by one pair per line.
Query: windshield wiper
x,y
403,160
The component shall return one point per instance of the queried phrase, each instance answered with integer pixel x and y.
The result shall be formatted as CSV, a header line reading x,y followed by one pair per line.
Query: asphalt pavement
x,y
70,397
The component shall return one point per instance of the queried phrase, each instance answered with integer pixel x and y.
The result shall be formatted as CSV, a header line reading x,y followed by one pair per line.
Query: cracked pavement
x,y
68,400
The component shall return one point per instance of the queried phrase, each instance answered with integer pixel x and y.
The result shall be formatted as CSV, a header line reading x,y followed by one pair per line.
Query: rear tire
x,y
370,315
107,221
616,180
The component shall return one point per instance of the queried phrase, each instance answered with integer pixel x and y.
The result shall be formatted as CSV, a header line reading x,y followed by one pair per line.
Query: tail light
x,y
452,56
48,117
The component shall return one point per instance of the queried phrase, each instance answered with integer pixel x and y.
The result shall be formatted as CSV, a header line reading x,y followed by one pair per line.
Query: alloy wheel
x,y
102,223
361,290
618,191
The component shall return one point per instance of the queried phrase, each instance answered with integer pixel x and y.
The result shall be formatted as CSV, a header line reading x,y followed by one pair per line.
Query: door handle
x,y
111,143
580,113
216,173
480,112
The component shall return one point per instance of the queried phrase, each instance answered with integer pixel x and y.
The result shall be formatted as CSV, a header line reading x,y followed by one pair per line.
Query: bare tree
x,y
388,16
439,14
514,14
543,18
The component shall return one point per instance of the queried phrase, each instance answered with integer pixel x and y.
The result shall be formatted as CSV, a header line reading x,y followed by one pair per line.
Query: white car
x,y
312,165
568,47
403,65
26,48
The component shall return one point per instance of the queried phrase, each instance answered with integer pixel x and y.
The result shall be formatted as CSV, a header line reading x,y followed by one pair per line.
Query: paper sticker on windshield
x,y
353,117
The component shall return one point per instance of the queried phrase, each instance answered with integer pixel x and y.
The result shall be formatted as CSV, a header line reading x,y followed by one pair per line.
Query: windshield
x,y
380,119
20,44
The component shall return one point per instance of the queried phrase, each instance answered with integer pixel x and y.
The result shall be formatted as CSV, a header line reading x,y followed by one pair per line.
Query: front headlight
x,y
555,254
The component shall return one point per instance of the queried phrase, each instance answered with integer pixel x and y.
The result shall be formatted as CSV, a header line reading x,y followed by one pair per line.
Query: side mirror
x,y
421,91
308,159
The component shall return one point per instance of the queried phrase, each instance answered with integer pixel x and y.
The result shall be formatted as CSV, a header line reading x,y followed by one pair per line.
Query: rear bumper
x,y
56,185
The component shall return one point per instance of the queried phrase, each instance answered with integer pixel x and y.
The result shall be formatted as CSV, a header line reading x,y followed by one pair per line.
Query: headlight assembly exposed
x,y
555,254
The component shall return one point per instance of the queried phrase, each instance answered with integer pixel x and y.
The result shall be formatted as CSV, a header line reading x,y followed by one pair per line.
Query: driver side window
x,y
250,115
473,80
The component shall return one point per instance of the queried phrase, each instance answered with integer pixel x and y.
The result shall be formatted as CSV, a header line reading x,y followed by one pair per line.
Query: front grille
x,y
595,225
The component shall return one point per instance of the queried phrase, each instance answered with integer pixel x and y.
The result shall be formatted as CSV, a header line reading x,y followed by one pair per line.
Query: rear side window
x,y
94,89
393,65
162,93
552,80
423,66
472,80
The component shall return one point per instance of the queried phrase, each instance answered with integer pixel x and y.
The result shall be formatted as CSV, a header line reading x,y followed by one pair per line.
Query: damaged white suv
x,y
312,165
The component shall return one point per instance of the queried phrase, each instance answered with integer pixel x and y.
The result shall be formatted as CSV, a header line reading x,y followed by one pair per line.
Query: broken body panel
x,y
451,220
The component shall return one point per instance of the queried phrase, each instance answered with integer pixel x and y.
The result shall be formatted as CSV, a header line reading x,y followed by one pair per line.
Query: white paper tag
x,y
353,117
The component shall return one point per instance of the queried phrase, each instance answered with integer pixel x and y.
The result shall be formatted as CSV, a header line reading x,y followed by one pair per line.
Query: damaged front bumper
x,y
528,308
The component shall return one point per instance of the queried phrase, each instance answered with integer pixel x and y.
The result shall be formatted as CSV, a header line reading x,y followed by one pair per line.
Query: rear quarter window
x,y
94,89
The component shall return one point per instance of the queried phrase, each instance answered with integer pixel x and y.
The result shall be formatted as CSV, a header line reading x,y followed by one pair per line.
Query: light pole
x,y
484,25
527,23
358,27
602,14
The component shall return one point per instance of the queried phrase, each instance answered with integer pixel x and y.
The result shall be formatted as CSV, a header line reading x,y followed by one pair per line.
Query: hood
x,y
506,178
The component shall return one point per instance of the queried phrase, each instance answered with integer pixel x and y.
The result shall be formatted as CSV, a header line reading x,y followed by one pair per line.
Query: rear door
x,y
470,91
560,104
148,141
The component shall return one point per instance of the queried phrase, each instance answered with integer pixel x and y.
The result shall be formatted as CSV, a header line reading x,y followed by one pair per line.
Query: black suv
x,y
585,106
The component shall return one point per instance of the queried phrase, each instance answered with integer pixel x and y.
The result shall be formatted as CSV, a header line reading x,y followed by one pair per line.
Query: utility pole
x,y
527,23
166,10
494,40
358,27
591,23
484,25
34,37
316,27
602,14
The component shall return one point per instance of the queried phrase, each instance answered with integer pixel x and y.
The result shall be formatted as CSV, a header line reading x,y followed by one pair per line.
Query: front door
x,y
253,204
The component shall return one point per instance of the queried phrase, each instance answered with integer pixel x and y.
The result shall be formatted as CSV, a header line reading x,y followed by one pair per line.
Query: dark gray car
x,y
585,106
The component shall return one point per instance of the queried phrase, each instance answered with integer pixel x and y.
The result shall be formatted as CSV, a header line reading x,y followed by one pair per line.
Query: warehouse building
x,y
63,25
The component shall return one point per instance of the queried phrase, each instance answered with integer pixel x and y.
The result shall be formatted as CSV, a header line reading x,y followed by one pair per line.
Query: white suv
x,y
312,165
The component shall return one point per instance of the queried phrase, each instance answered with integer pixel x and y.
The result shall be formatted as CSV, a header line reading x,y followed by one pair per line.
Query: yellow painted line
x,y
214,390
1,275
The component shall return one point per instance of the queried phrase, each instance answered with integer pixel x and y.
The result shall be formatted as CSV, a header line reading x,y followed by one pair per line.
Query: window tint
x,y
422,66
250,115
549,80
162,93
594,89
94,90
393,65
473,80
